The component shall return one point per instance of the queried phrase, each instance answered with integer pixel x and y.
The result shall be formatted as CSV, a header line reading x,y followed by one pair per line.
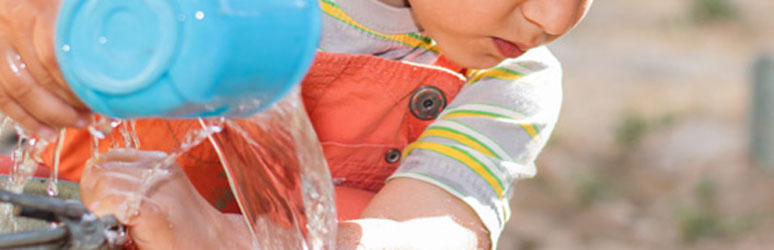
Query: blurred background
x,y
652,149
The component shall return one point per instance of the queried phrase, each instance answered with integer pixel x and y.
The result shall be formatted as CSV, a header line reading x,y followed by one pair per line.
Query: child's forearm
x,y
424,233
236,233
410,214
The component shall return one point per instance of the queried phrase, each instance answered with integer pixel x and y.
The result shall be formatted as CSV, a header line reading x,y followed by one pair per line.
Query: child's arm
x,y
411,214
489,136
172,215
406,214
32,90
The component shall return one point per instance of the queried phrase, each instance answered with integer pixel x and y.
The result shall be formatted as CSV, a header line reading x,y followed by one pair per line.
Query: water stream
x,y
277,169
26,158
53,179
273,160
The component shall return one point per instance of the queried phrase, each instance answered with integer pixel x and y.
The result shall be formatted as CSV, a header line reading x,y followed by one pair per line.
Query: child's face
x,y
482,33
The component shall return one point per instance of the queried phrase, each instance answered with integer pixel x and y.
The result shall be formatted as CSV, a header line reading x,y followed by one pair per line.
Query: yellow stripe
x,y
530,129
333,10
472,72
466,114
495,73
463,158
464,140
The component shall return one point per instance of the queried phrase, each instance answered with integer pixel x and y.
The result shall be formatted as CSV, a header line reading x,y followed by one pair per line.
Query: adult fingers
x,y
45,64
24,119
32,35
19,85
12,109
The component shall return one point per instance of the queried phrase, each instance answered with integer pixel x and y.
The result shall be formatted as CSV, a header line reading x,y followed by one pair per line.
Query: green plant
x,y
593,188
705,219
702,220
699,223
704,11
631,130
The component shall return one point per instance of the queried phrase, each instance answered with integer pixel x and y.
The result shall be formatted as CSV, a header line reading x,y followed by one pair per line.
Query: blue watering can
x,y
185,58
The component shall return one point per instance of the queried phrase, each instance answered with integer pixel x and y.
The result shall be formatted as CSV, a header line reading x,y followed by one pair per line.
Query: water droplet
x,y
52,190
89,217
301,4
199,15
339,180
66,48
102,40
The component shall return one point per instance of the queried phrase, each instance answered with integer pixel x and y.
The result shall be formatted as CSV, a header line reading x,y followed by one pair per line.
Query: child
x,y
396,100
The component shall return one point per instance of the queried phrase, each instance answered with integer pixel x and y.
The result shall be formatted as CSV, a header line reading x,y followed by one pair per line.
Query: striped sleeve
x,y
490,135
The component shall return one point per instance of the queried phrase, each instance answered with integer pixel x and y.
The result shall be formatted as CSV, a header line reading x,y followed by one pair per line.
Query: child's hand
x,y
172,215
32,89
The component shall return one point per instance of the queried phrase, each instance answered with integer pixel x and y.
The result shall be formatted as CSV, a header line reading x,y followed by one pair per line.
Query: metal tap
x,y
76,227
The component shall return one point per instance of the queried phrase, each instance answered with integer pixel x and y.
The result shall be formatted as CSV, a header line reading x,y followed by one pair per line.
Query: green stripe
x,y
469,137
481,134
488,78
507,70
499,182
537,129
439,181
412,34
524,65
479,112
510,71
420,37
491,105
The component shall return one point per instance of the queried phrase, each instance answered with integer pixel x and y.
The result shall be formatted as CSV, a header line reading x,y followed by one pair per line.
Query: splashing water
x,y
26,158
273,161
100,128
132,134
149,178
53,180
280,177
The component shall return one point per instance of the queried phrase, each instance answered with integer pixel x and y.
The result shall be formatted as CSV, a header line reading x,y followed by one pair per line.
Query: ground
x,y
651,150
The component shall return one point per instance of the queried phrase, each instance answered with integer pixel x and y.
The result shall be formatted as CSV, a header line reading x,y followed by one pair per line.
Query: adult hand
x,y
32,89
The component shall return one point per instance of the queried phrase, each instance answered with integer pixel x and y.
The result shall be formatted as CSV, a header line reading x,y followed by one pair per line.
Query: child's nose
x,y
555,17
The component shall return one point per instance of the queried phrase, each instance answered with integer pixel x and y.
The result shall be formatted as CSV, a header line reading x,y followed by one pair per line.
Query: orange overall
x,y
364,109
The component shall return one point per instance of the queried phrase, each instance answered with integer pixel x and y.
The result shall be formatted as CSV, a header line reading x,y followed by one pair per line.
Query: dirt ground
x,y
651,151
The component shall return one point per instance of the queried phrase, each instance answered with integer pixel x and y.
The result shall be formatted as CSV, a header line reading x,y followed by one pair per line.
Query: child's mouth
x,y
507,49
